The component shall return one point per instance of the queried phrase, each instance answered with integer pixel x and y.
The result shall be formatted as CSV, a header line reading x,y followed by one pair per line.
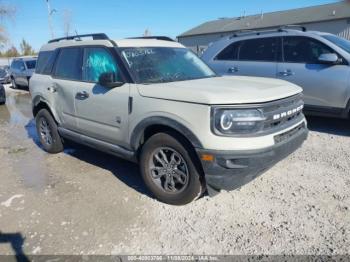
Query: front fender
x,y
138,131
39,99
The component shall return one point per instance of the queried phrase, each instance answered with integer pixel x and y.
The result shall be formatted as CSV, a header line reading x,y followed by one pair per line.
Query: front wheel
x,y
48,132
169,169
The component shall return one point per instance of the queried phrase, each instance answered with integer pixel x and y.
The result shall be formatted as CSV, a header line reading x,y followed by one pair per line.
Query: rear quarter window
x,y
45,62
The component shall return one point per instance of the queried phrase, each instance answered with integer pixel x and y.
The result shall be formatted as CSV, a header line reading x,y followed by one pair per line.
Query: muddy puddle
x,y
20,141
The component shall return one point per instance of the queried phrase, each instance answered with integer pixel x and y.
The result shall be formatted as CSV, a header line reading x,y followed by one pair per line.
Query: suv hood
x,y
222,90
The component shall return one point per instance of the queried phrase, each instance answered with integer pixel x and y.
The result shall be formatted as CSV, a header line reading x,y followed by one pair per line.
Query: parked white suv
x,y
156,103
316,61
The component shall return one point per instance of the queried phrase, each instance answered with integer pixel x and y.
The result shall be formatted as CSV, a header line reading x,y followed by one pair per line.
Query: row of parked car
x,y
18,74
316,61
190,126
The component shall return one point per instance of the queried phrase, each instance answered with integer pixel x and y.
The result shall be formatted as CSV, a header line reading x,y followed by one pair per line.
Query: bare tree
x,y
6,12
50,14
147,33
67,22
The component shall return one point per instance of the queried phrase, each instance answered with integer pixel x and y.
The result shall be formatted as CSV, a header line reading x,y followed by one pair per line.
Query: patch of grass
x,y
17,150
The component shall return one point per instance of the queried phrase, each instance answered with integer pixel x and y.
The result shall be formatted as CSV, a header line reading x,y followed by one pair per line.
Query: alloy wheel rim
x,y
169,170
45,132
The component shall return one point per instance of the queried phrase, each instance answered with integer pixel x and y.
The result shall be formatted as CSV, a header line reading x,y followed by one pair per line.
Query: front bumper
x,y
230,170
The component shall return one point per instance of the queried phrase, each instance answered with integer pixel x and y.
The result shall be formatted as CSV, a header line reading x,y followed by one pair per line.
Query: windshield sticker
x,y
138,52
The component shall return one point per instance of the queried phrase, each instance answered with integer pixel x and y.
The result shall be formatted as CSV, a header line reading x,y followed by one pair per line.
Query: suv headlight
x,y
237,121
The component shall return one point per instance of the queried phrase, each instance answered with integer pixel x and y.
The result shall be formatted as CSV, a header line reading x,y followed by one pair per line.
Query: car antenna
x,y
78,37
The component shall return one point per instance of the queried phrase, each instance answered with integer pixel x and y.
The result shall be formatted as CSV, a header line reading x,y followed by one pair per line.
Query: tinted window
x,y
229,53
303,50
45,62
69,64
262,49
97,61
31,64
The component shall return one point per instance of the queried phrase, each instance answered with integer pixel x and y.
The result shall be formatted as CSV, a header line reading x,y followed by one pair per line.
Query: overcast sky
x,y
120,19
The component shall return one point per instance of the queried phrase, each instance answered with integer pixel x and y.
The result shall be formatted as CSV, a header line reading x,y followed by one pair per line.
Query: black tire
x,y
13,83
3,98
172,145
52,144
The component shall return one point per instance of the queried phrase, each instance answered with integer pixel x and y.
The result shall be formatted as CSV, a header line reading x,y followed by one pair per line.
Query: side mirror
x,y
329,59
22,68
107,80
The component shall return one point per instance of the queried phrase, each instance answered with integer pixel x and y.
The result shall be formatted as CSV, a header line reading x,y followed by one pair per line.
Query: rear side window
x,y
42,62
230,53
262,49
304,50
31,64
69,64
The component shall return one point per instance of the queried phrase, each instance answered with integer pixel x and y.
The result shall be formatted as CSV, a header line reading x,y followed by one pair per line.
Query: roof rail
x,y
99,36
164,38
283,27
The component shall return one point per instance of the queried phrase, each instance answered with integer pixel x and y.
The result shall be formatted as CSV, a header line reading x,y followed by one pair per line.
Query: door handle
x,y
287,73
82,95
232,70
52,89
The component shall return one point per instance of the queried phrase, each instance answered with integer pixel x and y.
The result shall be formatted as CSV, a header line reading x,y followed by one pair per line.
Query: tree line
x,y
25,50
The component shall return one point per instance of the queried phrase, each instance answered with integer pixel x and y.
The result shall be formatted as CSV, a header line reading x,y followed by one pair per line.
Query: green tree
x,y
11,52
26,48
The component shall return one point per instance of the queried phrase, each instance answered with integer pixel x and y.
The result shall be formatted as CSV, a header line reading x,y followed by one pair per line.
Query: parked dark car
x,y
2,95
5,77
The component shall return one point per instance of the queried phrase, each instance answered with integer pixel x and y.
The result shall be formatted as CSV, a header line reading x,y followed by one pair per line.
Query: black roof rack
x,y
164,38
99,36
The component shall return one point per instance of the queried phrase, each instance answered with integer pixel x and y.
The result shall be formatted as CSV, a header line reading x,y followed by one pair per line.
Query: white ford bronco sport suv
x,y
154,102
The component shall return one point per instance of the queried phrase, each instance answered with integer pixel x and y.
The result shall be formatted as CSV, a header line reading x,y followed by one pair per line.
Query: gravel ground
x,y
85,202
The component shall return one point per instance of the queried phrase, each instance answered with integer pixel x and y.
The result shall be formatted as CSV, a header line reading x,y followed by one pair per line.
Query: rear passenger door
x,y
67,76
102,112
252,57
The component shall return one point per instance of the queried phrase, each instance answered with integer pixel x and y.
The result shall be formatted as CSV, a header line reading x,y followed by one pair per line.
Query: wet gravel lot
x,y
86,202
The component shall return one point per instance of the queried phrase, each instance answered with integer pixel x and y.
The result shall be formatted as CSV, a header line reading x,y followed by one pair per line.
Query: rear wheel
x,y
169,169
48,132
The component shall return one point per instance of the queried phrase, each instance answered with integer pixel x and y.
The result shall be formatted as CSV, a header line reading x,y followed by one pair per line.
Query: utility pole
x,y
50,13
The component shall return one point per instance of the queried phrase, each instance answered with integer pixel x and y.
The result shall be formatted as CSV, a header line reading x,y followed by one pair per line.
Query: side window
x,y
230,53
42,61
262,49
21,65
13,65
69,64
303,50
98,60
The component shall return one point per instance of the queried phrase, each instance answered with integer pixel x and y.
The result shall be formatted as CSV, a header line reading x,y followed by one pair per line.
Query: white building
x,y
332,18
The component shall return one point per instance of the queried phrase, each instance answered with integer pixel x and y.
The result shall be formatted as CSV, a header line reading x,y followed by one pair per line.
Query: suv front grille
x,y
282,113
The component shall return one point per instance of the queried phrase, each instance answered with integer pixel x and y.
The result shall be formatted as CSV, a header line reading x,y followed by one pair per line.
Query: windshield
x,y
164,64
341,42
31,64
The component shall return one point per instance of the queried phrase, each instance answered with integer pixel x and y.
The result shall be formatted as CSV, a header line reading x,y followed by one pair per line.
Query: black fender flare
x,y
138,131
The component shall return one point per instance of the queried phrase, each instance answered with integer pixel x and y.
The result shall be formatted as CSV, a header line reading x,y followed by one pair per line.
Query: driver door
x,y
102,112
324,85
